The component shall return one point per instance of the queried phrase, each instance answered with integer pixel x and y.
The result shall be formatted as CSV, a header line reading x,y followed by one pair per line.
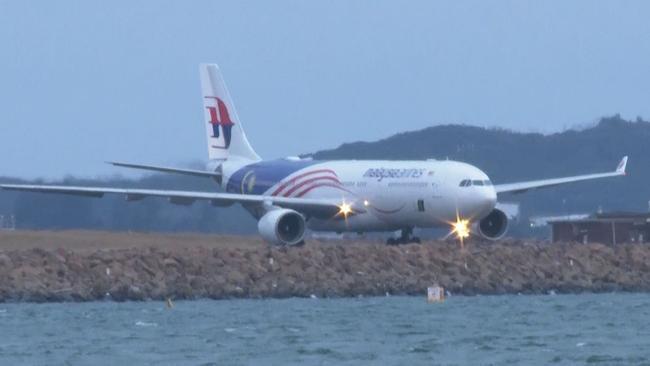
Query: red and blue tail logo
x,y
220,121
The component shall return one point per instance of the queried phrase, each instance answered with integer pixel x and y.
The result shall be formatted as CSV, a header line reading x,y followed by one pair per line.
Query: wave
x,y
145,324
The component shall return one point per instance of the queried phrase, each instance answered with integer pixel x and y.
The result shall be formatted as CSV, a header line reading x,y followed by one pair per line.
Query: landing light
x,y
461,229
345,209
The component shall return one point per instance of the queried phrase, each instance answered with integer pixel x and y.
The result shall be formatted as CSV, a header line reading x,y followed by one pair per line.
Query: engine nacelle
x,y
282,227
493,226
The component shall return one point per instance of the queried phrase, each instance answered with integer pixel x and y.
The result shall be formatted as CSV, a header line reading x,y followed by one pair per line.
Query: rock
x,y
5,261
170,262
326,270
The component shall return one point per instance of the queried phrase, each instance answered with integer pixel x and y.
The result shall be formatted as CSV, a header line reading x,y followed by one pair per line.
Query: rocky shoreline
x,y
44,266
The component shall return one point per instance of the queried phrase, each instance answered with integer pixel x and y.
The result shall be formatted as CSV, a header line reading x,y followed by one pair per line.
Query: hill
x,y
506,156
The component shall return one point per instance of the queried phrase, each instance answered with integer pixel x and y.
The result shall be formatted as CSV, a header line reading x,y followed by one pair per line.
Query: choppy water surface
x,y
565,329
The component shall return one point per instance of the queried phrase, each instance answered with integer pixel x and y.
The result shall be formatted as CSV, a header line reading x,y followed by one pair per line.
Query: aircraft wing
x,y
164,169
535,184
322,208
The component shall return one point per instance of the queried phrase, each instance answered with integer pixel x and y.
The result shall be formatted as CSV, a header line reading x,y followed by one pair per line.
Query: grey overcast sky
x,y
82,82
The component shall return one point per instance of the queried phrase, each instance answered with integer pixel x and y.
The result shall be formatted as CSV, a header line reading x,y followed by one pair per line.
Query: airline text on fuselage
x,y
381,173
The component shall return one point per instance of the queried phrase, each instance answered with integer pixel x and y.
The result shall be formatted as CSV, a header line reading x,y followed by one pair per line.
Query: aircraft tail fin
x,y
226,137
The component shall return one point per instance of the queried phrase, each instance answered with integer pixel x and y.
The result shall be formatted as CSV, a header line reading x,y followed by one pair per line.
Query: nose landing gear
x,y
405,238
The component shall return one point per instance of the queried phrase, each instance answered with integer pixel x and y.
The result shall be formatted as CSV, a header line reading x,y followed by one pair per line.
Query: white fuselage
x,y
388,195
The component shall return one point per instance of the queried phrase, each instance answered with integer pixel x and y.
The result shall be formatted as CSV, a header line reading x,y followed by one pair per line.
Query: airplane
x,y
288,196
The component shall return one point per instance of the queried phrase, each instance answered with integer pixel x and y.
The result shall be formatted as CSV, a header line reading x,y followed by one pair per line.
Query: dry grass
x,y
94,240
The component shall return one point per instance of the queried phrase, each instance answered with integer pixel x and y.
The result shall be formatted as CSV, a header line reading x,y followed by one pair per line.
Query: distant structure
x,y
435,294
7,222
543,221
607,228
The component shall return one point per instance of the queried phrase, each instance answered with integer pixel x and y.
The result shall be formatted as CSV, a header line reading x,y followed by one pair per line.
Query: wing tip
x,y
621,166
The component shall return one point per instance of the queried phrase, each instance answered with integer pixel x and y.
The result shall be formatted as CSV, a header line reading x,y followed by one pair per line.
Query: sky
x,y
83,82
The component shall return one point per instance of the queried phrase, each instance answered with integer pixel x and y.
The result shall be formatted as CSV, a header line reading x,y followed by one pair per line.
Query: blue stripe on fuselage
x,y
257,178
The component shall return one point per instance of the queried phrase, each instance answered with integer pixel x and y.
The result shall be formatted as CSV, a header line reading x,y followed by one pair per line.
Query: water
x,y
605,329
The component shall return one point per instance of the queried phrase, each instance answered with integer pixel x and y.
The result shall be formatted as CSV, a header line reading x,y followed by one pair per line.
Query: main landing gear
x,y
406,238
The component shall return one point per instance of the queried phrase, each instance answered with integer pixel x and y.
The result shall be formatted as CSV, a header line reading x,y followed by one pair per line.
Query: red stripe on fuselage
x,y
311,180
289,182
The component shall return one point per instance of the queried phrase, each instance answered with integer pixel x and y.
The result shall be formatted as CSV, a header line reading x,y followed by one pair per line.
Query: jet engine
x,y
493,226
282,227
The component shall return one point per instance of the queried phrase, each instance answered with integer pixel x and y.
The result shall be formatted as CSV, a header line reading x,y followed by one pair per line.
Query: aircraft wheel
x,y
391,241
416,240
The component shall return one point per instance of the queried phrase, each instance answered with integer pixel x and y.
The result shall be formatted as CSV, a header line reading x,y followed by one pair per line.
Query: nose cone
x,y
490,197
476,203
475,194
485,199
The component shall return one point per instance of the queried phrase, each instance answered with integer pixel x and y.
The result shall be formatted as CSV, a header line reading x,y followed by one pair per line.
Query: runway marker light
x,y
435,294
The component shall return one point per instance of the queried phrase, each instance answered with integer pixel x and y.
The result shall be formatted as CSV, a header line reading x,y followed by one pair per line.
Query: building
x,y
7,222
607,228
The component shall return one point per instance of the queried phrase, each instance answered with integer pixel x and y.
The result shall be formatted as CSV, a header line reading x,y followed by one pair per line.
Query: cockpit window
x,y
469,182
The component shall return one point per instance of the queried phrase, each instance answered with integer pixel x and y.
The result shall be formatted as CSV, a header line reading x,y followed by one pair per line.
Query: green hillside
x,y
506,156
